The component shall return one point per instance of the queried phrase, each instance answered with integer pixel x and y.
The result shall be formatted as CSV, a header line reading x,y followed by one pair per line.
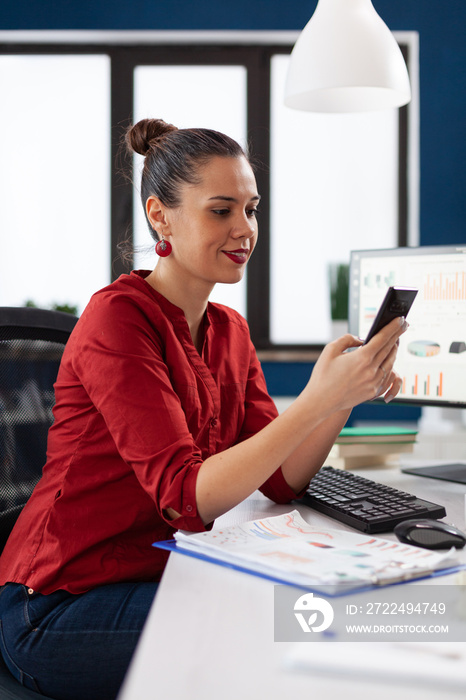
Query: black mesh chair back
x,y
31,345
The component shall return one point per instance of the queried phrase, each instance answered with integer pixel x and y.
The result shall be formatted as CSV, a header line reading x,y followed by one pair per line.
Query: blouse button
x,y
189,509
213,422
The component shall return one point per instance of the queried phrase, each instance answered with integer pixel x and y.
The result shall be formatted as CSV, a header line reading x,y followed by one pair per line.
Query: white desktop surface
x,y
209,634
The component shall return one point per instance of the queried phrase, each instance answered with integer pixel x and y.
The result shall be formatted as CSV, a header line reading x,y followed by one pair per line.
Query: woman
x,y
162,422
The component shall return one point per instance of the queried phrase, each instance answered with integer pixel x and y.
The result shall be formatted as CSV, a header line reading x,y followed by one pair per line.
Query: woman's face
x,y
214,230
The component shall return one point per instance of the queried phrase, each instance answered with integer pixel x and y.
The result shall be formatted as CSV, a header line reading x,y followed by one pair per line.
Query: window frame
x,y
254,51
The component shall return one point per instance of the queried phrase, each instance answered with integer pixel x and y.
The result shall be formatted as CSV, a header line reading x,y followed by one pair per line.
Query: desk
x,y
209,634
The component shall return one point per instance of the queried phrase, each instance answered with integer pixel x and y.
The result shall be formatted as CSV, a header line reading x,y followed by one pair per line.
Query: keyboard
x,y
365,504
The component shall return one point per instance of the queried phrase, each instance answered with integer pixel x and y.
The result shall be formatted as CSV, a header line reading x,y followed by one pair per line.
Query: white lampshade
x,y
346,60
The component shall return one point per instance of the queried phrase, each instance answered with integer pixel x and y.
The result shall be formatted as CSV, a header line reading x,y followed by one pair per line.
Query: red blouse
x,y
137,411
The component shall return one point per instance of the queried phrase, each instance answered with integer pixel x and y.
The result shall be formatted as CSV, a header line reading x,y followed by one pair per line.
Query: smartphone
x,y
397,302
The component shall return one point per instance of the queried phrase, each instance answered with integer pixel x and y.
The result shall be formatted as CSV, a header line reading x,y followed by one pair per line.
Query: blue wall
x,y
441,26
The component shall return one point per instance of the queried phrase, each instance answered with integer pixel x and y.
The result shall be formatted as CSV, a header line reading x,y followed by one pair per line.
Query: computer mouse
x,y
431,534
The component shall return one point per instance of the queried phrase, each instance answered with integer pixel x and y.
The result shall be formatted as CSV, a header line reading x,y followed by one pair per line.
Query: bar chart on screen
x,y
423,385
445,287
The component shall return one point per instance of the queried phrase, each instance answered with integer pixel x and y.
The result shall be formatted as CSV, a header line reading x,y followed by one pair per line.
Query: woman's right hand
x,y
342,380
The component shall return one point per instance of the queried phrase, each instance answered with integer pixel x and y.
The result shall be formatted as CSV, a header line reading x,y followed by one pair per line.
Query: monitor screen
x,y
432,354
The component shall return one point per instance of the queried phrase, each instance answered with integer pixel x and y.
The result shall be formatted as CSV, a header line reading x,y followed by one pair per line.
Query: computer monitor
x,y
432,354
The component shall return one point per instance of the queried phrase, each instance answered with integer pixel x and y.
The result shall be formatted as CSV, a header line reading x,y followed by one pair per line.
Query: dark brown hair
x,y
173,157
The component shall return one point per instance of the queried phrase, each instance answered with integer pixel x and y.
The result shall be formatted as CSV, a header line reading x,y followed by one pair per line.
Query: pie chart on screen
x,y
423,348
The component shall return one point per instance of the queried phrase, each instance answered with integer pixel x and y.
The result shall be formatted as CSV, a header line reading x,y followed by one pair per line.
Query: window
x,y
328,183
54,178
334,188
207,90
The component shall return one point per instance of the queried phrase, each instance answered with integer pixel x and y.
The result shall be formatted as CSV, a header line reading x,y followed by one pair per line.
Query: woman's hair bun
x,y
146,134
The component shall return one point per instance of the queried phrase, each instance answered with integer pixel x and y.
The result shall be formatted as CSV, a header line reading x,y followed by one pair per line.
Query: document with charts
x,y
290,550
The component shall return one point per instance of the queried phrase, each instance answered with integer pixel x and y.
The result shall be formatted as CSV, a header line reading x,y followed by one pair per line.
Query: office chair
x,y
31,345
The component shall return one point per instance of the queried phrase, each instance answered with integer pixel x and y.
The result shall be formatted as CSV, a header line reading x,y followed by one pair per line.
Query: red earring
x,y
163,248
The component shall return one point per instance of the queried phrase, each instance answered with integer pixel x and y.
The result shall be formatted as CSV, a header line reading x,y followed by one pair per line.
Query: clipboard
x,y
330,591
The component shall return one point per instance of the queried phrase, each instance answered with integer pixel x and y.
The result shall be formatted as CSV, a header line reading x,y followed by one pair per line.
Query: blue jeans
x,y
73,647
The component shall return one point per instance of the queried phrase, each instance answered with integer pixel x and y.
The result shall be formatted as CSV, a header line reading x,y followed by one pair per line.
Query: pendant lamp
x,y
346,60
